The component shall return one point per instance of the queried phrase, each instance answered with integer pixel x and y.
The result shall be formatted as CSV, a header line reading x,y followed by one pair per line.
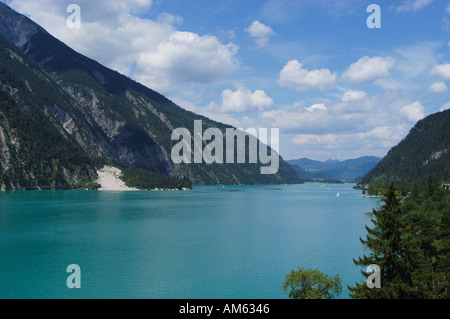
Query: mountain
x,y
348,170
315,177
64,115
423,153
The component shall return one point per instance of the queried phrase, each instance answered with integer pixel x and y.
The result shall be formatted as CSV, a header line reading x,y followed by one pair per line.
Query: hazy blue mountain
x,y
315,177
348,170
90,116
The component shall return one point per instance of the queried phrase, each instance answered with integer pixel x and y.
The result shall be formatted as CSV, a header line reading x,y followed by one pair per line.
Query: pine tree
x,y
443,248
386,242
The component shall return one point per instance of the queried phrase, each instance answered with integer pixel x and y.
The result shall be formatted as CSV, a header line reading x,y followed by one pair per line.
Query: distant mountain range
x,y
63,116
350,170
423,153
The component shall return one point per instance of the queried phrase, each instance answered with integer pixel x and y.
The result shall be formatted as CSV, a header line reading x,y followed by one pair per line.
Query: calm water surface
x,y
212,242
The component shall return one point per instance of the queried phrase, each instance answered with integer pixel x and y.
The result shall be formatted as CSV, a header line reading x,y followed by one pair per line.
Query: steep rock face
x,y
133,146
15,28
112,119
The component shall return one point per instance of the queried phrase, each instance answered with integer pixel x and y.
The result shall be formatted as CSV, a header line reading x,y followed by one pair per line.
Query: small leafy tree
x,y
311,284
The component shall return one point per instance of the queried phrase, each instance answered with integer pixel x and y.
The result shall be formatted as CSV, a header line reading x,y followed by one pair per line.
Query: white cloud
x,y
104,12
368,69
385,136
314,119
378,137
339,129
413,112
445,107
414,5
442,70
295,77
154,53
293,118
308,139
186,57
373,141
380,132
438,87
243,100
352,96
260,32
316,107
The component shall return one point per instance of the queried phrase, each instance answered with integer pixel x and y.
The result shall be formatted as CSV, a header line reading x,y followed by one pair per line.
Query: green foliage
x,y
380,183
387,250
39,154
409,240
92,186
146,180
427,214
311,284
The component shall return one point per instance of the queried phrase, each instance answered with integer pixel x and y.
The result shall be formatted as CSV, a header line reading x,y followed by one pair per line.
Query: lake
x,y
212,242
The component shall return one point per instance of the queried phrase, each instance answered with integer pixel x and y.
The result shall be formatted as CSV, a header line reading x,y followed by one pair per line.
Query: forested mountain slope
x,y
79,115
424,152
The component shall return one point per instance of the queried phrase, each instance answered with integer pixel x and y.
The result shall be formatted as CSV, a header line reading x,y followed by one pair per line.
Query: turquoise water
x,y
212,242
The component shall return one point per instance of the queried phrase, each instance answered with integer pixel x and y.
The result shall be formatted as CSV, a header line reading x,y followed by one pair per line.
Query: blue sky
x,y
335,88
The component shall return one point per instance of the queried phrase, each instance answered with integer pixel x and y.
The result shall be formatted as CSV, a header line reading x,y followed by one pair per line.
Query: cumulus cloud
x,y
316,107
186,57
308,139
339,145
441,70
294,76
293,120
380,137
413,5
339,129
368,69
154,53
243,100
413,112
260,32
352,96
438,87
311,120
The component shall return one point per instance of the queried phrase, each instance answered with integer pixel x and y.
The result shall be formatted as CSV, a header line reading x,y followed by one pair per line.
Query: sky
x,y
336,86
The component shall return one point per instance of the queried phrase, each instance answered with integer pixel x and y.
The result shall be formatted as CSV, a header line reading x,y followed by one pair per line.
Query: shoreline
x,y
109,179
